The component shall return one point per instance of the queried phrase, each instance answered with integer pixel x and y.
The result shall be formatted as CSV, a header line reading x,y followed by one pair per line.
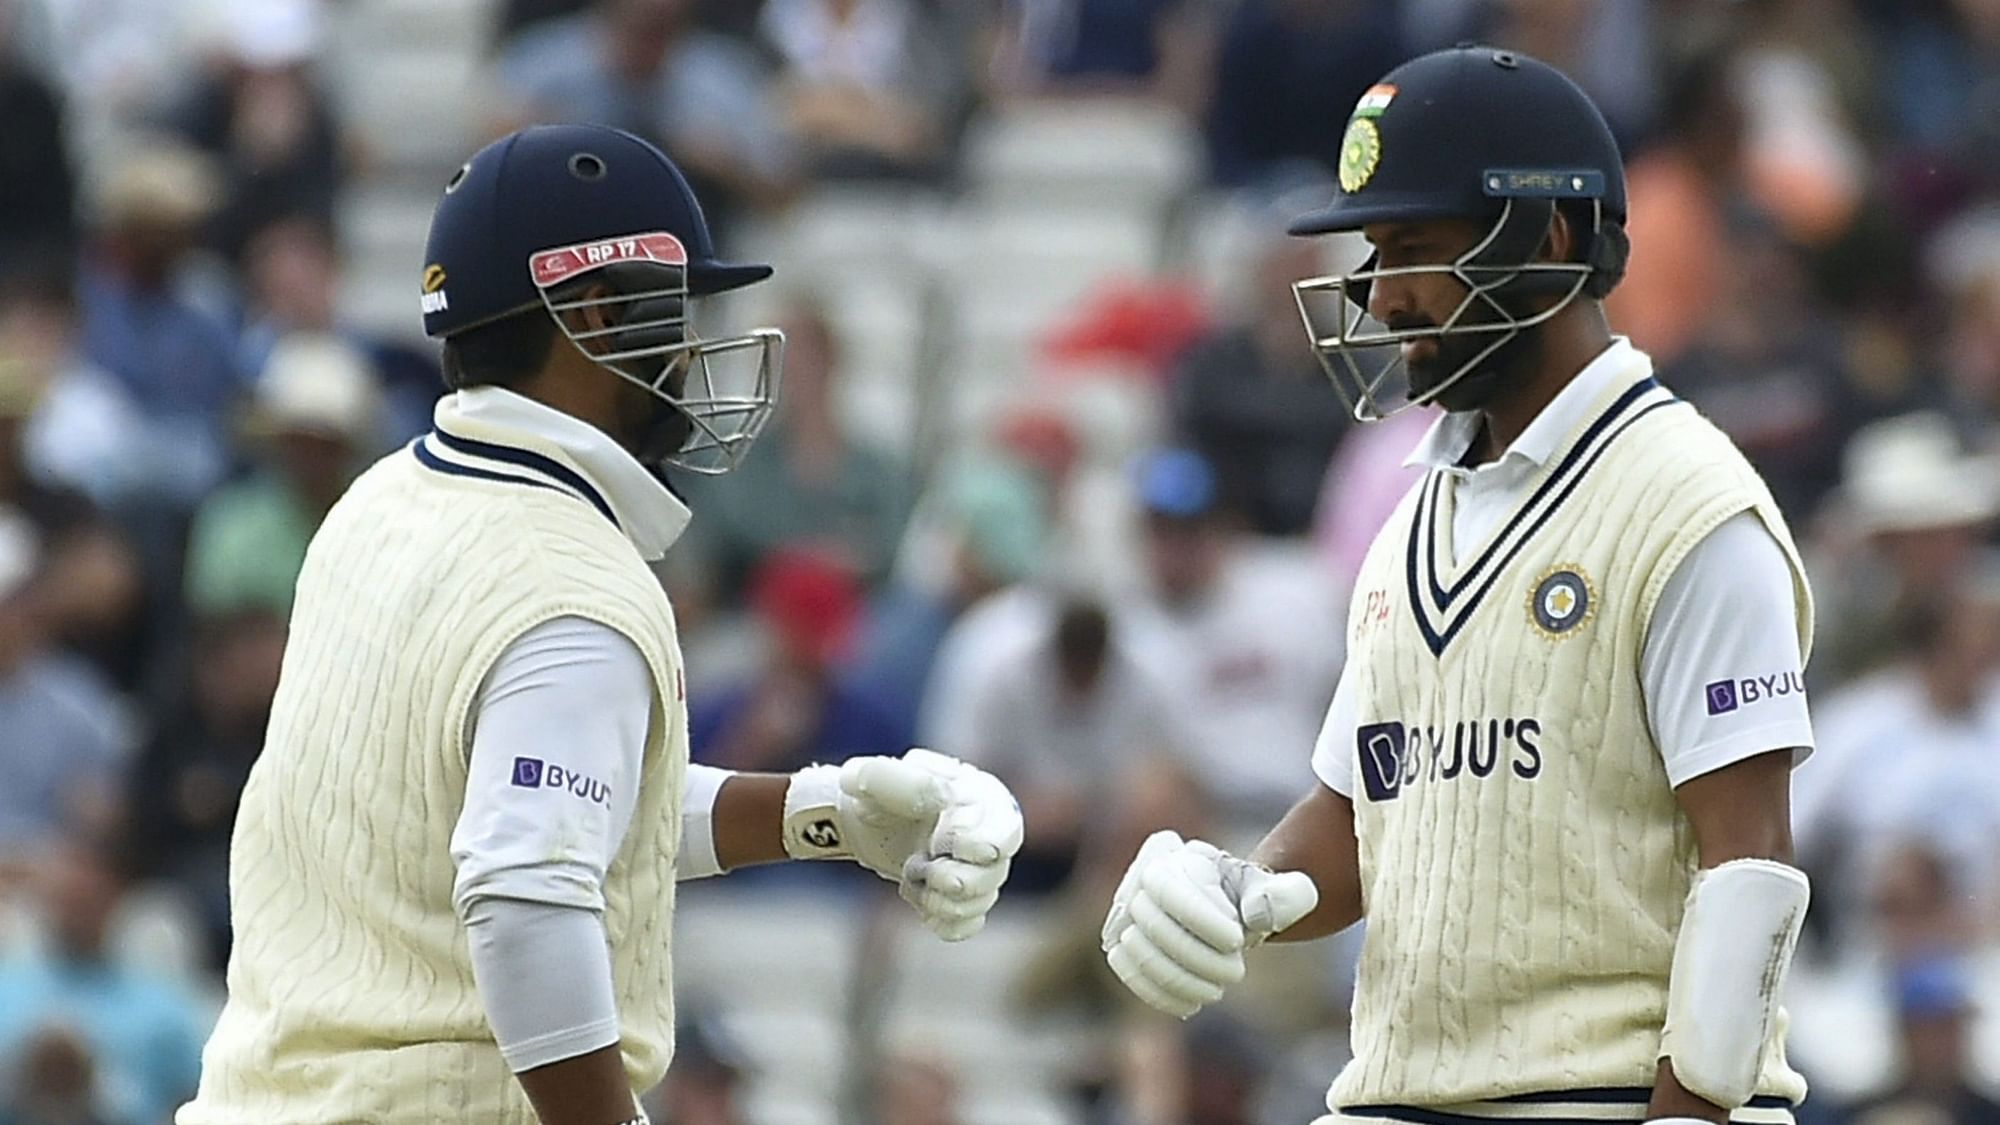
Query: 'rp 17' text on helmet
x,y
1470,133
564,217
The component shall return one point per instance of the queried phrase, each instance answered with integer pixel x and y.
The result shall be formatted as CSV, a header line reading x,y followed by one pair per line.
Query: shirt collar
x,y
1446,443
642,506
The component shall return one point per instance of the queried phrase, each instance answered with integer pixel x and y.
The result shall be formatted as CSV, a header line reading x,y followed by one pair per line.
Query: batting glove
x,y
1185,913
943,831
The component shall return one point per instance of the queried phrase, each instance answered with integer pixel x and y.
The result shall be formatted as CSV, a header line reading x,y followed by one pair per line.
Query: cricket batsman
x,y
452,877
1554,778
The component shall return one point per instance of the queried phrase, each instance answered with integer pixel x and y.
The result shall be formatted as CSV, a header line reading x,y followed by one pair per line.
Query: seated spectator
x,y
37,184
805,481
645,67
1369,476
143,1033
1252,640
1908,521
916,1089
1769,367
1938,1081
701,1086
1069,48
261,116
1060,720
980,530
62,731
1680,190
314,414
1253,399
173,361
180,803
291,280
1908,754
865,85
53,1082
797,707
1287,75
93,598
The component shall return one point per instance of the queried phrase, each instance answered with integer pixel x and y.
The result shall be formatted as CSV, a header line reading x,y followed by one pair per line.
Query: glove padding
x,y
1184,914
943,831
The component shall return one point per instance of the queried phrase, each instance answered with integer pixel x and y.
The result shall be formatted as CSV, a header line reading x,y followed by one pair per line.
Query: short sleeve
x,y
1332,759
1723,676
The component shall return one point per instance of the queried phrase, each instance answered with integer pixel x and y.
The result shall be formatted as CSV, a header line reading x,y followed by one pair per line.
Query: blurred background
x,y
1055,484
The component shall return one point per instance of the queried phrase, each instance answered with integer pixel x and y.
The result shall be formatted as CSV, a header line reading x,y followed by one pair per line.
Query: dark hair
x,y
499,353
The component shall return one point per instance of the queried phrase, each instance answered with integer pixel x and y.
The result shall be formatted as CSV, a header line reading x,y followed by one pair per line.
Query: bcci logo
x,y
1561,601
1384,748
434,300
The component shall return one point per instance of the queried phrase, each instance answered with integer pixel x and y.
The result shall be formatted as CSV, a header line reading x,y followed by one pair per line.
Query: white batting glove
x,y
943,831
1184,914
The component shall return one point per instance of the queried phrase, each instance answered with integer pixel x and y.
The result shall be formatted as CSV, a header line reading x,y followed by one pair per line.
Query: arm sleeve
x,y
1333,758
696,858
544,974
558,741
1721,669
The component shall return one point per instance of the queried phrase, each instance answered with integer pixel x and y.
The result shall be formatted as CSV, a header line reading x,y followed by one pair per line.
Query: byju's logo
x,y
1383,747
533,773
1395,757
1724,696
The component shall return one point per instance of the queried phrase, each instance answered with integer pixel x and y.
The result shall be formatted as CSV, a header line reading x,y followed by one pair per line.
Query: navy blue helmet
x,y
1480,134
564,217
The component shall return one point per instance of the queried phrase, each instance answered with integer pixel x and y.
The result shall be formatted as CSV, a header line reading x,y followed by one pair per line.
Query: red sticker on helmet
x,y
553,267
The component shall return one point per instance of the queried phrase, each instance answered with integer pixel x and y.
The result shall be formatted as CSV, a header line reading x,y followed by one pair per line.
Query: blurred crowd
x,y
1121,586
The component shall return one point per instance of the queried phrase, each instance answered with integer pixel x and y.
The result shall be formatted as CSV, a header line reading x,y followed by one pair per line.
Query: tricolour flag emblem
x,y
1375,100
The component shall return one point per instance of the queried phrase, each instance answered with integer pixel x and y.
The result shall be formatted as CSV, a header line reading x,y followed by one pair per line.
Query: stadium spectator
x,y
1287,74
315,415
37,183
1769,366
1060,719
1908,521
1935,1010
806,480
1369,475
797,707
1155,49
867,85
184,784
1908,754
981,529
1680,191
174,361
54,1082
643,66
62,731
1250,640
143,1031
701,1086
291,282
1254,401
260,115
916,1089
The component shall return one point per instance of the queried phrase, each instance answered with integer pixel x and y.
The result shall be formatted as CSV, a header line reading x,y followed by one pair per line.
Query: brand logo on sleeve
x,y
534,773
1724,696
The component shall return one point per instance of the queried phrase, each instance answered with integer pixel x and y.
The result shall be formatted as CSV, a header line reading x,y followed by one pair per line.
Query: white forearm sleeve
x,y
544,974
696,858
1735,945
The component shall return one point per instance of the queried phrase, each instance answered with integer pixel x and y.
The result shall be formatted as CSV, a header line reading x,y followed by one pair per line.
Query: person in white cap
x,y
313,417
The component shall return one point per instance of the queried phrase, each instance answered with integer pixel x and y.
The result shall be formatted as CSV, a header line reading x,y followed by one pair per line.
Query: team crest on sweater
x,y
1562,600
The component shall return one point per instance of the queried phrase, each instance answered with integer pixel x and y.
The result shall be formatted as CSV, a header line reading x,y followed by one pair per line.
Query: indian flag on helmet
x,y
1375,100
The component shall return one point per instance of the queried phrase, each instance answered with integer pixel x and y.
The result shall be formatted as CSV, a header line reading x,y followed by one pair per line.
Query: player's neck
x,y
1569,343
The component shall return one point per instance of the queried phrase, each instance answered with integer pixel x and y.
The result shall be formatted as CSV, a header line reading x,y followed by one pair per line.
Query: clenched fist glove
x,y
1184,914
943,831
